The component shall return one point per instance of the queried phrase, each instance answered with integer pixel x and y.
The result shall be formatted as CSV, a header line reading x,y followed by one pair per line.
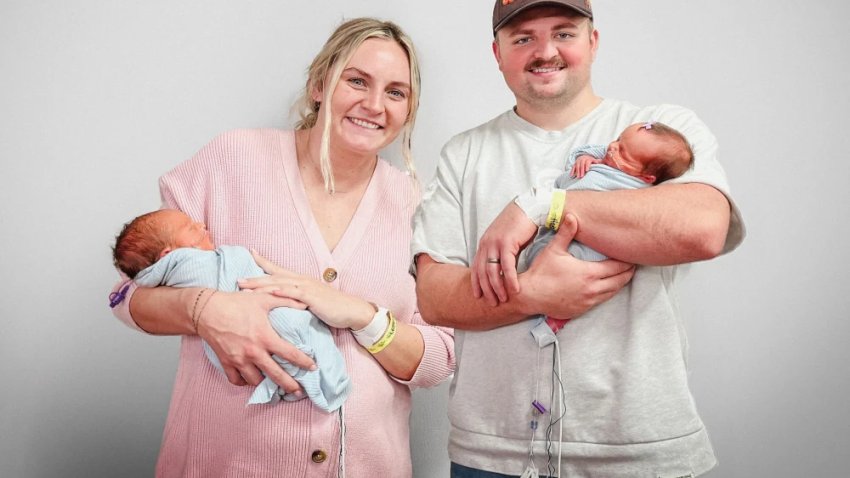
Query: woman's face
x,y
370,104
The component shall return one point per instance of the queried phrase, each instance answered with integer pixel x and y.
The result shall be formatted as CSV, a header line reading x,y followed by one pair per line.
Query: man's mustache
x,y
554,62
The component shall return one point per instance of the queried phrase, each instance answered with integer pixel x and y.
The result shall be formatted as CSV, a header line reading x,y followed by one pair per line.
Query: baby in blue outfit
x,y
645,154
168,248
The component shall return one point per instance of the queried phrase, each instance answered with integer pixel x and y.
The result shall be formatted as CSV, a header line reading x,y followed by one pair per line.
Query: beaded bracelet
x,y
194,315
197,317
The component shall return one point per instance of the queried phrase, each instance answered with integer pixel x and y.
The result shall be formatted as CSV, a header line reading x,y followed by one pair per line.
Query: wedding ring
x,y
491,260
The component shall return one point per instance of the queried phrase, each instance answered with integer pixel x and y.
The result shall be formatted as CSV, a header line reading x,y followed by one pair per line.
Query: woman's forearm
x,y
402,356
164,310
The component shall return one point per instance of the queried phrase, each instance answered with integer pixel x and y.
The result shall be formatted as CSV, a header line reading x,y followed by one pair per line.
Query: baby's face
x,y
632,151
185,232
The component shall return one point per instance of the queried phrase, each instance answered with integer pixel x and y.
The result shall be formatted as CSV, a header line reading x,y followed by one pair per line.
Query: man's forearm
x,y
445,298
662,225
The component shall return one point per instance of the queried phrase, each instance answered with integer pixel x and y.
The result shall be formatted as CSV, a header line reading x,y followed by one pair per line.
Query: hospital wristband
x,y
388,337
556,209
375,330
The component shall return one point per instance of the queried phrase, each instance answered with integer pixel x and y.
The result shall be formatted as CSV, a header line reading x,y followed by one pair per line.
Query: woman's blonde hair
x,y
329,64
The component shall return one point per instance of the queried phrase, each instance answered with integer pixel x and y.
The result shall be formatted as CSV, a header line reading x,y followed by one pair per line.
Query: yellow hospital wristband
x,y
388,336
556,209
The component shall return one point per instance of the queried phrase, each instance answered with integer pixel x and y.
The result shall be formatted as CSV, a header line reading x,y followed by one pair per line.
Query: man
x,y
612,399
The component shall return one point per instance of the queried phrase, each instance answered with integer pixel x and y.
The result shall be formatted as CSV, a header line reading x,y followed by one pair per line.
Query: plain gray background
x,y
98,98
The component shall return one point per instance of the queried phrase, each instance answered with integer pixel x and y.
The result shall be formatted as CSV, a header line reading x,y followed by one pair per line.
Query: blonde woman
x,y
330,222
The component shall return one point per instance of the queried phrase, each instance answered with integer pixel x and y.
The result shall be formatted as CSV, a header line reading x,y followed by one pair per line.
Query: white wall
x,y
98,98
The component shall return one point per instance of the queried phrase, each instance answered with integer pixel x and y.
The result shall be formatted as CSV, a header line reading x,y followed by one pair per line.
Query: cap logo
x,y
507,2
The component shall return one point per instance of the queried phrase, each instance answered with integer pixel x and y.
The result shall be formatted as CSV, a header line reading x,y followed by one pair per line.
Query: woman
x,y
319,203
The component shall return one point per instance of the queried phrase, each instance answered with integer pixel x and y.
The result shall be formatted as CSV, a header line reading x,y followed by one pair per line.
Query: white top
x,y
629,411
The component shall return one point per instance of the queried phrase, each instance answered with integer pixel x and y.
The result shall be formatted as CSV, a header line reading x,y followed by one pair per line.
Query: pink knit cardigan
x,y
245,185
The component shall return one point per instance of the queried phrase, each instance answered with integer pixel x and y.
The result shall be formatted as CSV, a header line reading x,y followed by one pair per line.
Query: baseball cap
x,y
505,10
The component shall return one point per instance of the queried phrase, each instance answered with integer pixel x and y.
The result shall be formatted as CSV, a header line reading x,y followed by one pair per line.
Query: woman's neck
x,y
351,172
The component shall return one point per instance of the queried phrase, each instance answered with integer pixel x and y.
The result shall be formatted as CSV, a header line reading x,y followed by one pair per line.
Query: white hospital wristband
x,y
535,204
369,335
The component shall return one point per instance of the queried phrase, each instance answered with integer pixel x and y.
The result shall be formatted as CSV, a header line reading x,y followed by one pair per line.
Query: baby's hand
x,y
582,165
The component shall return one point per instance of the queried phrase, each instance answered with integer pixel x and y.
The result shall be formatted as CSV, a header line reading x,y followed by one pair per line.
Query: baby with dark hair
x,y
652,152
168,248
149,237
645,154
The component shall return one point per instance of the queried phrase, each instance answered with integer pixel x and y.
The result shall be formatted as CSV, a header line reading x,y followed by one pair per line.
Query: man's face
x,y
545,55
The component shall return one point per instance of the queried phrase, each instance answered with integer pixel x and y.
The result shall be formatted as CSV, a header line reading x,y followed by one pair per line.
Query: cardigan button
x,y
329,275
319,456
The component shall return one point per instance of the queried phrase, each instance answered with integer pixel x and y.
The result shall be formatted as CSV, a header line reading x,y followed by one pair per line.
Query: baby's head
x,y
653,152
149,237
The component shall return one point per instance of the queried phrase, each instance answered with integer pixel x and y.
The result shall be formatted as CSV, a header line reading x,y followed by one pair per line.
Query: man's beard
x,y
547,99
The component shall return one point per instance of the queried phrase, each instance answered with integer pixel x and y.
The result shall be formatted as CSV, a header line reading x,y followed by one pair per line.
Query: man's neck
x,y
555,117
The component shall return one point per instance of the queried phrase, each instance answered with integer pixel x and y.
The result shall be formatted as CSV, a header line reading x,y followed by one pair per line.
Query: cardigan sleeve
x,y
119,301
438,360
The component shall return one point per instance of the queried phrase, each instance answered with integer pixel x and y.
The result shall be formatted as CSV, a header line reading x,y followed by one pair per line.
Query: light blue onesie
x,y
598,178
327,387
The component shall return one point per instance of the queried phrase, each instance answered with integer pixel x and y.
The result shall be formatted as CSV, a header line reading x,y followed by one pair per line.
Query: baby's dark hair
x,y
677,154
139,244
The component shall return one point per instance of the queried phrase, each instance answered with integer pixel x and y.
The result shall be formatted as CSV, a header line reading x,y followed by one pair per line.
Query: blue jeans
x,y
460,471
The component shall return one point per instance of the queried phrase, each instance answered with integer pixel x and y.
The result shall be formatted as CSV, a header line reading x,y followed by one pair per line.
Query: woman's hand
x,y
236,326
495,261
333,307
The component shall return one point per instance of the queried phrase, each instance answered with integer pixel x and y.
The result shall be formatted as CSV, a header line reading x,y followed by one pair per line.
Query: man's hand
x,y
495,261
559,285
237,327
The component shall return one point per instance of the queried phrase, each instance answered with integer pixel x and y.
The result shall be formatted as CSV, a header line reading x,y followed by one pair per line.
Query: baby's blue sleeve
x,y
595,150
